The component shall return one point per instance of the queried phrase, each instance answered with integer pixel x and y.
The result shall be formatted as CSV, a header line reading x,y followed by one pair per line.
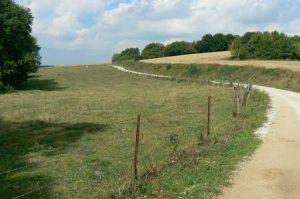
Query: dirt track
x,y
223,58
274,170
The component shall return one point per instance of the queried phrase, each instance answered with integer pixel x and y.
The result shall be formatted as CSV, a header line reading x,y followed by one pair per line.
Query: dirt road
x,y
223,58
274,170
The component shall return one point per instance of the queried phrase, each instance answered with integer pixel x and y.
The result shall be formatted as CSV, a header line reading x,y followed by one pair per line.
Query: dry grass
x,y
223,58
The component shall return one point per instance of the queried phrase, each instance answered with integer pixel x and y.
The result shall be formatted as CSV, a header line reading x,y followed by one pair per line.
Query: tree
x,y
153,50
179,48
127,54
214,43
19,52
265,45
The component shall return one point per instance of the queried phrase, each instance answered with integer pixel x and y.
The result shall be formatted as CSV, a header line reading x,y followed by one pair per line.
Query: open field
x,y
272,77
224,58
72,128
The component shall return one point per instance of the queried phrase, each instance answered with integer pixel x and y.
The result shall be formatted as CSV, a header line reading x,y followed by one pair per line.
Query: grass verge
x,y
73,128
272,77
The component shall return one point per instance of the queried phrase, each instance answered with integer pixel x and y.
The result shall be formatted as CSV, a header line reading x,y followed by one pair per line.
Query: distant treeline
x,y
252,45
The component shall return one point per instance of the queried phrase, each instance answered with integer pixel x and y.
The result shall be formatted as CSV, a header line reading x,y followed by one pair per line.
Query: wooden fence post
x,y
247,94
136,151
238,99
208,115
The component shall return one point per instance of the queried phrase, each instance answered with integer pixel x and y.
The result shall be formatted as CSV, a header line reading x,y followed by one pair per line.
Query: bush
x,y
2,87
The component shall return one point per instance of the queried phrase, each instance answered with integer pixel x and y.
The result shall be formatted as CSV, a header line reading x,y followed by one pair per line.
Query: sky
x,y
90,31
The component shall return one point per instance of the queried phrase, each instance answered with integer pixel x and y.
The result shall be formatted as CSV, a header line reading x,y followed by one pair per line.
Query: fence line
x,y
35,190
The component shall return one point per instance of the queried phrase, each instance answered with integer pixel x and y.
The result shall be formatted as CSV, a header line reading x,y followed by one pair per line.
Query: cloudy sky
x,y
89,31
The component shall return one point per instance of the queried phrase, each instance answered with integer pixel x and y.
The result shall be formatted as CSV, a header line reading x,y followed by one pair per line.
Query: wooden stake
x,y
136,151
208,116
238,100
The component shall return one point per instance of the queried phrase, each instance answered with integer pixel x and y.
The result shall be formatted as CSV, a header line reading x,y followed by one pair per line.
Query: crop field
x,y
69,132
224,58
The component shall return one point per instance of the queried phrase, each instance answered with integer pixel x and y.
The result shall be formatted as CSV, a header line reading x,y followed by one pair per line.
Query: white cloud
x,y
92,30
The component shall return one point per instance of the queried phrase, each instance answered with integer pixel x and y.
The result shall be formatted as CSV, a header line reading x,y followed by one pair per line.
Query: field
x,y
70,131
224,58
271,77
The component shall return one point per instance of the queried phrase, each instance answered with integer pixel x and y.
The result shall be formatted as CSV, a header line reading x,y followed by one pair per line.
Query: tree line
x,y
252,45
208,43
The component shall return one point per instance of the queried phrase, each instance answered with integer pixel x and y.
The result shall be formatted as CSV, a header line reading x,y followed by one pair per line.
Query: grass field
x,y
224,58
272,77
73,129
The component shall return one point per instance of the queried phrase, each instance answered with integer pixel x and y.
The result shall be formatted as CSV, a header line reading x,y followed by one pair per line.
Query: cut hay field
x,y
224,58
69,132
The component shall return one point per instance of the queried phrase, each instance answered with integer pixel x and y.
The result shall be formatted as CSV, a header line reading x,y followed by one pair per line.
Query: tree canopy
x,y
179,48
127,54
266,45
19,52
214,43
153,50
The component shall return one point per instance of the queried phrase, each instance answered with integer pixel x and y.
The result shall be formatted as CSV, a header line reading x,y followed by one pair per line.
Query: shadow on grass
x,y
34,83
19,139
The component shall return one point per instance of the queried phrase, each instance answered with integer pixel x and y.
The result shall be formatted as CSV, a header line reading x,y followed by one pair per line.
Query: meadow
x,y
70,131
224,58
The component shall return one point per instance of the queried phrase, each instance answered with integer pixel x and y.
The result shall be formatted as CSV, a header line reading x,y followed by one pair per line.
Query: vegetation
x,y
274,45
74,129
273,77
153,50
214,43
179,48
19,52
127,54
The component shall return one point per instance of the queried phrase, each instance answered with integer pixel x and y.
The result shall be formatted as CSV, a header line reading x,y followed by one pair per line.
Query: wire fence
x,y
145,116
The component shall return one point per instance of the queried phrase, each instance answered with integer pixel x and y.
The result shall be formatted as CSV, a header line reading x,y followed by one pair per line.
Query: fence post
x,y
208,116
238,99
136,151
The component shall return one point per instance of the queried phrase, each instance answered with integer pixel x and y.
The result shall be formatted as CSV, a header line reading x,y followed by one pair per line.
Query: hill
x,y
224,58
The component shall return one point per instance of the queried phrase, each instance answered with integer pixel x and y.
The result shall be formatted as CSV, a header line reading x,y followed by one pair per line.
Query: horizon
x,y
90,31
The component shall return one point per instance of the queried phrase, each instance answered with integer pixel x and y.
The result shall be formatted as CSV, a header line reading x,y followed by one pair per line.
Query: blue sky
x,y
90,31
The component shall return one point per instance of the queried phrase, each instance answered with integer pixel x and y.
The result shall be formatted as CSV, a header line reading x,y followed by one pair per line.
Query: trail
x,y
273,172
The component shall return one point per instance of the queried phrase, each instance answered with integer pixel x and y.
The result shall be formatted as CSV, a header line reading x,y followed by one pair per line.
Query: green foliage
x,y
266,45
179,48
214,43
127,54
153,50
19,52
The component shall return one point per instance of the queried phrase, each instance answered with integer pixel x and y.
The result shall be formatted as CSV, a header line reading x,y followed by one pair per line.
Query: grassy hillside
x,y
225,58
272,77
71,132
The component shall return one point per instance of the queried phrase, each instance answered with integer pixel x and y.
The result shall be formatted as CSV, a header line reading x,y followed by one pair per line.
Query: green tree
x,y
153,50
127,54
179,48
266,45
19,52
